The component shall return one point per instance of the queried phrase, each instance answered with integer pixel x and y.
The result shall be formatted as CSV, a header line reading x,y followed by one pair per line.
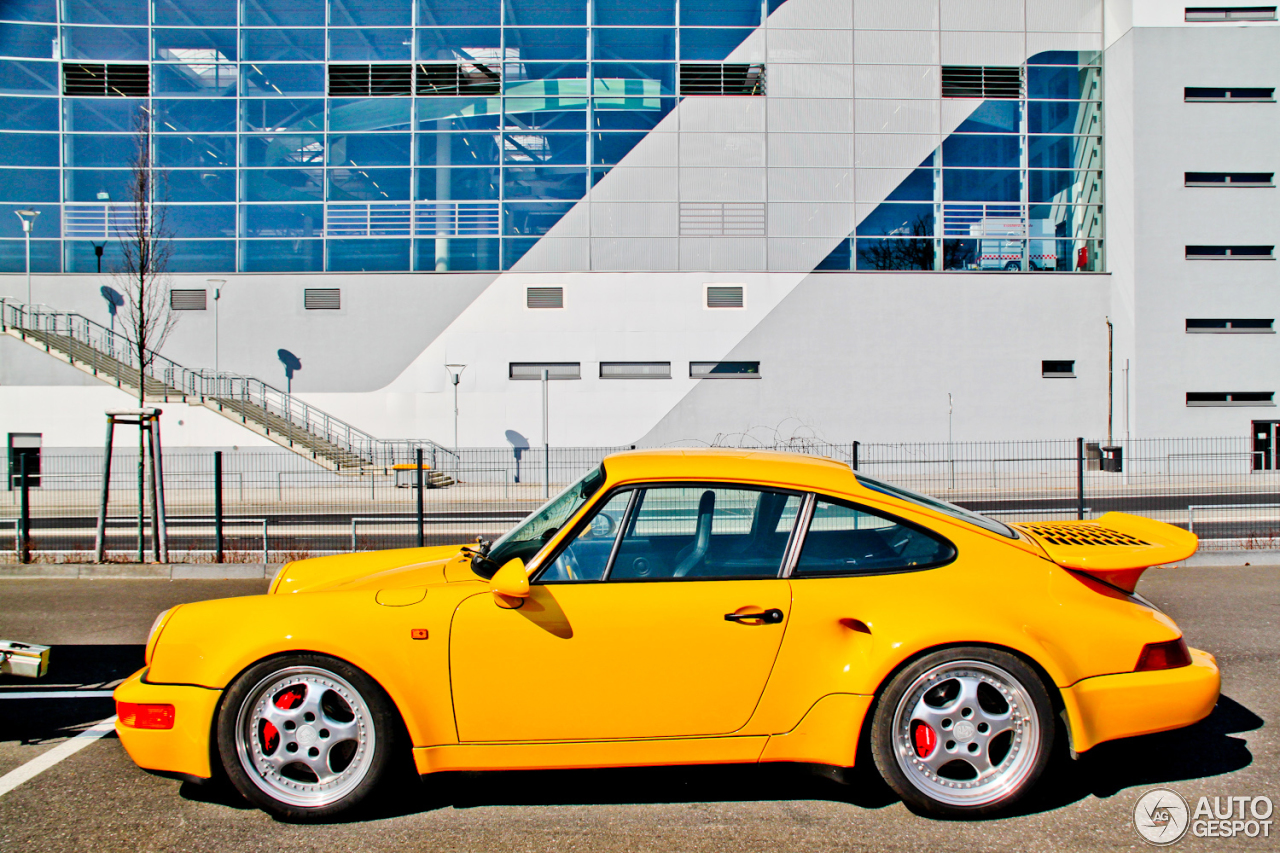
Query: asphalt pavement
x,y
96,799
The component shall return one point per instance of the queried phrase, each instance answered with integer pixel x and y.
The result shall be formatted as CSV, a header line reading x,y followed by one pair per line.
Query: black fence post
x,y
24,514
854,463
217,506
421,536
1080,479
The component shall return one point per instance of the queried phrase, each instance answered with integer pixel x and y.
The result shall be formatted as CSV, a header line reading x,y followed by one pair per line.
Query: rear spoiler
x,y
1115,549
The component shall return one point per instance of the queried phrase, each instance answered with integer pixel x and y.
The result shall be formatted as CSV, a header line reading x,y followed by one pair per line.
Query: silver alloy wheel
x,y
985,733
305,737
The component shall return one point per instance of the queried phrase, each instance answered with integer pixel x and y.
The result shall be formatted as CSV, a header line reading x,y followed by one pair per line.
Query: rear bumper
x,y
183,750
1108,707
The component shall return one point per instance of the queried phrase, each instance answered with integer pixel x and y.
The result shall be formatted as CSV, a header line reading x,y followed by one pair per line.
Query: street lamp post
x,y
455,373
216,284
28,218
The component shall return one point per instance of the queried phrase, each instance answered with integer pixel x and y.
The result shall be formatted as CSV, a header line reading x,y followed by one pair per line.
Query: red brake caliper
x,y
924,738
284,701
270,737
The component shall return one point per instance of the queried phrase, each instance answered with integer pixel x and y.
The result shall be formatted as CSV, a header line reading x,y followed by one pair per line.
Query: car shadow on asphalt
x,y
71,668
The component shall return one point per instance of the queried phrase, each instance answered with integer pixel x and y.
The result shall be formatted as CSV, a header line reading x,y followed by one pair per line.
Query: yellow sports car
x,y
683,607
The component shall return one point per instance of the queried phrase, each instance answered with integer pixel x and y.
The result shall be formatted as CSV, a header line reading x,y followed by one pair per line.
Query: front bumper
x,y
184,750
1108,707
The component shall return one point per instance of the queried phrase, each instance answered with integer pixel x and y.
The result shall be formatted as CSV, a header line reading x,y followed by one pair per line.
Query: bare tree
x,y
914,253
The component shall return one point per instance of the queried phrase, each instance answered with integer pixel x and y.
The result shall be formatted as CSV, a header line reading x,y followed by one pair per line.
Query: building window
x,y
724,369
981,81
322,298
544,297
635,370
1220,14
1230,179
1058,369
1231,253
187,300
370,81
721,78
1230,398
106,81
1214,326
555,370
725,295
1233,93
457,78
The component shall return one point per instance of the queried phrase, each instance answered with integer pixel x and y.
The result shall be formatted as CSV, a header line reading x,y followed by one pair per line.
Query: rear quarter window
x,y
847,539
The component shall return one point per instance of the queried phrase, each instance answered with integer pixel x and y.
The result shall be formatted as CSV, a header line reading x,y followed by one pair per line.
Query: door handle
x,y
769,617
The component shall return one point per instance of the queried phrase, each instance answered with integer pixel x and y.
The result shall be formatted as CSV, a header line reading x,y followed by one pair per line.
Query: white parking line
x,y
55,694
43,762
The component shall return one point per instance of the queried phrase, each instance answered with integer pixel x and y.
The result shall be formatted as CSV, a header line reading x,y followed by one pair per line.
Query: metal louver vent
x,y
364,81
322,298
187,300
458,78
556,370
724,296
721,78
981,81
722,219
635,370
106,81
1087,533
544,297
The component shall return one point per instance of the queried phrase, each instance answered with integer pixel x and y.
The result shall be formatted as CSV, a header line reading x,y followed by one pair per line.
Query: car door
x,y
672,633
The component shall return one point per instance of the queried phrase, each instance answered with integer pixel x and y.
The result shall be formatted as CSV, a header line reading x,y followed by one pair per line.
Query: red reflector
x,y
145,716
924,737
418,633
1170,655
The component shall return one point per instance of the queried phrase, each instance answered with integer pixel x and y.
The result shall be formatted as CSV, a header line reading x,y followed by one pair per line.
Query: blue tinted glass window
x,y
283,150
544,182
28,113
991,151
526,218
29,149
195,152
369,255
536,44
458,183
459,113
1065,57
202,255
373,149
711,45
44,256
564,113
545,13
544,148
282,255
282,184
193,81
455,254
632,13
630,113
545,80
609,148
195,46
194,116
283,13
281,114
515,248
369,184
113,151
918,186
980,185
894,254
458,149
1053,117
261,80
283,45
80,256
200,220
111,115
1062,187
29,10
993,117
98,185
633,79
105,43
1054,82
720,13
26,40
29,185
908,220
370,13
370,45
282,220
1063,152
109,12
371,114
598,173
635,44
465,13
840,258
195,13
47,224
458,43
28,78
201,185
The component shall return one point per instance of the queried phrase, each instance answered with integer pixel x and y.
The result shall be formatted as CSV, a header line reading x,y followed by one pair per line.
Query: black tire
x,y
963,695
343,724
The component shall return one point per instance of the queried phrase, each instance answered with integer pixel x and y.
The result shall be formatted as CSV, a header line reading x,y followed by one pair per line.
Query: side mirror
x,y
510,585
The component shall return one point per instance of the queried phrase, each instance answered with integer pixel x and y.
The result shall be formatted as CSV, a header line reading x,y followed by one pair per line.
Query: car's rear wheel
x,y
305,737
963,732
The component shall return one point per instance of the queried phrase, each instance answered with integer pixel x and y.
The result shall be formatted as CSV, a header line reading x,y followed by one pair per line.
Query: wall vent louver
x,y
981,81
322,298
454,78
635,370
725,296
83,80
544,297
370,81
722,219
721,78
555,370
187,300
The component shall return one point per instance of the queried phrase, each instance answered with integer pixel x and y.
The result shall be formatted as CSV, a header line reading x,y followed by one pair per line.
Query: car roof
x,y
768,466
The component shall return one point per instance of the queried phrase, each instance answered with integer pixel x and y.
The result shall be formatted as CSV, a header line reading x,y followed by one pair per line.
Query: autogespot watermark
x,y
1163,817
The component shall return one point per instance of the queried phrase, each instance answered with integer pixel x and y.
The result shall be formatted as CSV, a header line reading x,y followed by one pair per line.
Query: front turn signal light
x,y
1169,655
136,716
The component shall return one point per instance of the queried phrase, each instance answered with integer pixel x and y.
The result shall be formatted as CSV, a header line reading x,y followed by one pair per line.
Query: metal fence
x,y
277,505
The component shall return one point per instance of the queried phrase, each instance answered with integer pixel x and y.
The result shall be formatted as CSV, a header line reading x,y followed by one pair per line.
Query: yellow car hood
x,y
1117,548
375,570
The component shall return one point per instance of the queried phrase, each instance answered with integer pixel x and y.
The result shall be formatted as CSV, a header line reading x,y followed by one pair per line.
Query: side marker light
x,y
136,716
418,633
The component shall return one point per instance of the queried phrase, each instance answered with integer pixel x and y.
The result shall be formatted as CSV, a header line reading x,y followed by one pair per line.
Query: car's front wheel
x,y
305,737
963,732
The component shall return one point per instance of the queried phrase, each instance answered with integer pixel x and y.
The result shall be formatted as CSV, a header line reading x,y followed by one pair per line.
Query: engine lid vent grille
x,y
1082,534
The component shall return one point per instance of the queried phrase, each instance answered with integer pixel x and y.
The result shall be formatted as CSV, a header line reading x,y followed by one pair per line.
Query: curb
x,y
1222,559
152,571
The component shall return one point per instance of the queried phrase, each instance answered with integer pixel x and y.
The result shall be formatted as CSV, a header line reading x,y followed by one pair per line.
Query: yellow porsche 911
x,y
683,607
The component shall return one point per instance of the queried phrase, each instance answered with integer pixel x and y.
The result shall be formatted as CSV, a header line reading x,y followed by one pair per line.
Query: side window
x,y
587,555
845,539
706,532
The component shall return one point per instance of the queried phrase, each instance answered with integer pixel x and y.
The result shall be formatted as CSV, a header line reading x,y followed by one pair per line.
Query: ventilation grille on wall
x,y
453,78
1229,179
1230,398
698,78
724,295
981,81
1232,93
635,370
364,81
1229,326
187,300
106,81
555,370
544,297
722,219
1058,369
1231,252
1209,14
322,298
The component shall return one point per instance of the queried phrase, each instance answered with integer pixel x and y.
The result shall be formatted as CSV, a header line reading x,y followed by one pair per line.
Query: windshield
x,y
527,538
941,506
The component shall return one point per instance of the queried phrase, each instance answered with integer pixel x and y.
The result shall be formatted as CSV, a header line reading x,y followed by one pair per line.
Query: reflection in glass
x,y
895,254
281,114
108,151
352,184
545,13
370,13
529,218
544,148
195,46
562,113
96,185
281,220
993,117
541,44
283,13
193,81
459,113
370,45
635,13
282,45
282,255
610,148
195,13
898,220
642,44
29,185
633,80
192,116
467,184
109,12
44,256
260,79
370,114
282,184
28,78
109,43
200,185
283,150
29,149
981,184
515,248
454,254
459,149
985,151
371,149
630,113
200,220
27,41
458,43
719,13
709,45
544,183
368,255
917,186
36,11
464,13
